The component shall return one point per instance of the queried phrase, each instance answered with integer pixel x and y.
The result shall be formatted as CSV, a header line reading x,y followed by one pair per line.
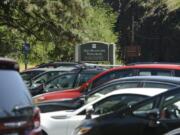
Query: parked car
x,y
66,80
154,116
18,115
126,82
113,73
28,74
174,132
47,75
65,122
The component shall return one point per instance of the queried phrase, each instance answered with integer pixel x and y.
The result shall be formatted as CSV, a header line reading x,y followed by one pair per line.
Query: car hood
x,y
58,92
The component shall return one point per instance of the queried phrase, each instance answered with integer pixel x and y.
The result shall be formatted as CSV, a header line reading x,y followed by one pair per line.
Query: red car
x,y
113,73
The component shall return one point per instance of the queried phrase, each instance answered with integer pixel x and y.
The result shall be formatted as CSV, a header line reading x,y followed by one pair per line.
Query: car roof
x,y
136,91
173,90
61,69
139,66
139,91
166,79
8,64
35,69
57,64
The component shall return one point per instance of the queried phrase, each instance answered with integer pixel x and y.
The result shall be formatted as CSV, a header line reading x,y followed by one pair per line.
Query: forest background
x,y
54,27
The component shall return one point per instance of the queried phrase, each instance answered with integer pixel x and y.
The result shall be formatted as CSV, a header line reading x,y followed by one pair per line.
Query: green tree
x,y
156,28
52,28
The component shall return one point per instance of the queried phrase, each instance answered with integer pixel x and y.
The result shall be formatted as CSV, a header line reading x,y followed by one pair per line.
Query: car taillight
x,y
36,117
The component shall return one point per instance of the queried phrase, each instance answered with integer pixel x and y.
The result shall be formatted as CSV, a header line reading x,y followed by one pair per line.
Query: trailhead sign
x,y
95,52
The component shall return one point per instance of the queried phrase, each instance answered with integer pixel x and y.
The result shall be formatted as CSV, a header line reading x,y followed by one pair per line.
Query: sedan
x,y
64,122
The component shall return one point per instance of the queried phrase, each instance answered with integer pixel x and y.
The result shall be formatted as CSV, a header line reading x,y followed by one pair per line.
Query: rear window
x,y
151,72
177,73
110,76
158,85
85,76
13,92
28,75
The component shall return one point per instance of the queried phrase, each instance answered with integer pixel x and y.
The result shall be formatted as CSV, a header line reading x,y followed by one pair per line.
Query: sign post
x,y
26,50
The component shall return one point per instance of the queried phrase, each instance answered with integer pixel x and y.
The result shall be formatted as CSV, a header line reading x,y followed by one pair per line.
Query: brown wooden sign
x,y
133,51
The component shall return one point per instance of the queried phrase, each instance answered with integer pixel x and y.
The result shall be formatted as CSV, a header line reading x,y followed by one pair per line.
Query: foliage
x,y
172,4
156,28
99,25
52,27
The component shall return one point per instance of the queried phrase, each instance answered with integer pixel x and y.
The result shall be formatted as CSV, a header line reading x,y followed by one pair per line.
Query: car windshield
x,y
62,82
30,74
85,76
104,90
44,77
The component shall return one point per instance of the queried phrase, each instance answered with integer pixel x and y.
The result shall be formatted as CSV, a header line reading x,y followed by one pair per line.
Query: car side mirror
x,y
89,111
83,98
153,114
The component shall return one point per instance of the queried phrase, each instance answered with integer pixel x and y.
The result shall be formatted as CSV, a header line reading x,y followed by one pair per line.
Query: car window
x,y
177,73
62,82
28,75
157,85
84,77
116,102
110,88
46,76
171,107
13,92
111,76
144,108
158,72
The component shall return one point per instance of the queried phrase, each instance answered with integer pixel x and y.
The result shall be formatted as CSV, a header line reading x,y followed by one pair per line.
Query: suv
x,y
18,116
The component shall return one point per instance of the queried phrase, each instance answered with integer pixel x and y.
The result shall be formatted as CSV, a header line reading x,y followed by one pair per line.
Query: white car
x,y
64,122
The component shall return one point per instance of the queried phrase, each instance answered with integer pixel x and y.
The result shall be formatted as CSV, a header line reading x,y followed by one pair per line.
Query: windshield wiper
x,y
22,109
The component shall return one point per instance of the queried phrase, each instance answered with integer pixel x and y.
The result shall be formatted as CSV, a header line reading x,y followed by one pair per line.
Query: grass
x,y
22,66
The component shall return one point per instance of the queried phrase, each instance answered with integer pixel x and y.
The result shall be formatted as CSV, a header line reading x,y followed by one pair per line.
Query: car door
x,y
116,102
170,112
160,117
109,104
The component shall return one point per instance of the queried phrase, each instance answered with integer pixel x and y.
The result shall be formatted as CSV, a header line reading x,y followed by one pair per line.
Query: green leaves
x,y
53,27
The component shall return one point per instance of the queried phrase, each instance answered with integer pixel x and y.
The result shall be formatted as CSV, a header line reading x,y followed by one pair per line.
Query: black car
x,y
127,82
67,80
153,116
18,115
47,75
28,74
173,132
